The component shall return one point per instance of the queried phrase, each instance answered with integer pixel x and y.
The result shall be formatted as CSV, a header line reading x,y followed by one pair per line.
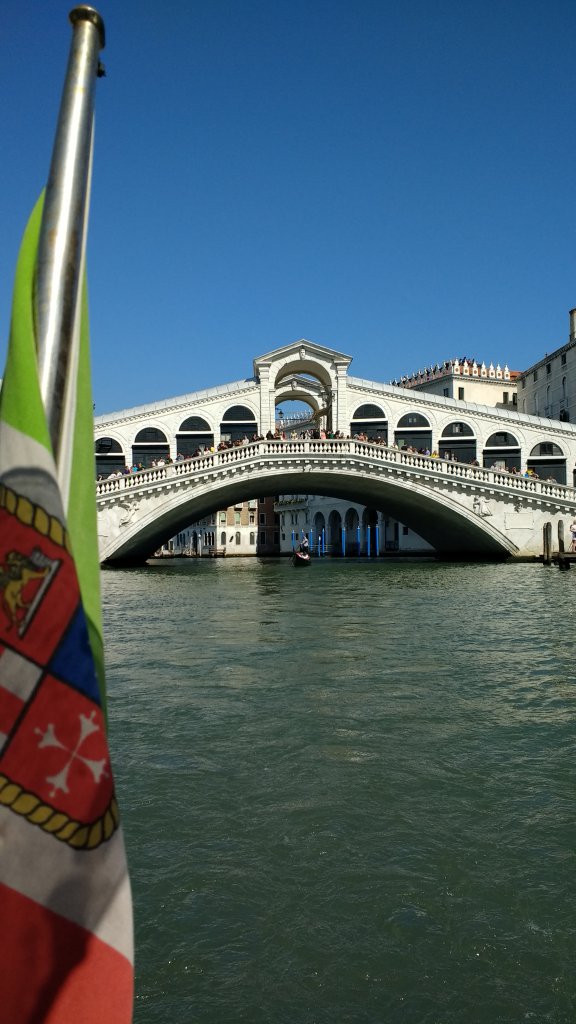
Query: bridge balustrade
x,y
332,447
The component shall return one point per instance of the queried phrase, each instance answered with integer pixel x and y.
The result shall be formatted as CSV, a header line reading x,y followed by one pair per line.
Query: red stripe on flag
x,y
10,708
56,972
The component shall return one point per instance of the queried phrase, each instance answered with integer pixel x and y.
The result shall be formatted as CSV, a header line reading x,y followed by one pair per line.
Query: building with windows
x,y
466,381
246,528
548,388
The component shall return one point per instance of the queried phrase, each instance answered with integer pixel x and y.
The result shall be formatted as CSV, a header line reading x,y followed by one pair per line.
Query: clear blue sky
x,y
394,180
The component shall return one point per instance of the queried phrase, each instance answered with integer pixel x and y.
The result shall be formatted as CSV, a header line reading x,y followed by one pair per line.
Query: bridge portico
x,y
326,388
458,507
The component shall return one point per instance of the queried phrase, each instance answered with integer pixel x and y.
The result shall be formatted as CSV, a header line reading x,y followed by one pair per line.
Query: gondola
x,y
300,559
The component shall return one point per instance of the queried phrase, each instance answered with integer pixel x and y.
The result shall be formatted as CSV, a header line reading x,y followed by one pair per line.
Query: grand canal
x,y
347,792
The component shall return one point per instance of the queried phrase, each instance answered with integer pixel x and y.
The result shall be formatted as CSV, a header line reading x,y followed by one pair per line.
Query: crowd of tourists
x,y
316,433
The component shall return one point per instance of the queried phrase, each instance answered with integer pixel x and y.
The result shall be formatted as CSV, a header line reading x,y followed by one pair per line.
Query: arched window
x,y
413,431
194,423
458,429
195,434
109,457
252,538
370,419
369,412
502,440
502,451
563,389
546,448
106,445
457,442
150,435
237,413
237,538
547,461
413,419
237,422
223,539
150,444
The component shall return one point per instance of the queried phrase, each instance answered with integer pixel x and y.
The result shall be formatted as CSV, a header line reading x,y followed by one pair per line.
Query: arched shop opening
x,y
548,461
369,523
334,540
150,444
194,435
458,442
238,422
110,457
413,431
351,523
370,420
319,530
502,451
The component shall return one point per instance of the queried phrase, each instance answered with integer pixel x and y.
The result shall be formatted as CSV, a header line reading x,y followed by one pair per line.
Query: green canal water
x,y
347,792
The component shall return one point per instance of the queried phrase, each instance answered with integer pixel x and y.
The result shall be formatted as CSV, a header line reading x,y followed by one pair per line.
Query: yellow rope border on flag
x,y
75,833
34,516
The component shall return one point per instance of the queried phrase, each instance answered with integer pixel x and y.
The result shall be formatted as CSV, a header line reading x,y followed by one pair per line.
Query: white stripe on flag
x,y
18,675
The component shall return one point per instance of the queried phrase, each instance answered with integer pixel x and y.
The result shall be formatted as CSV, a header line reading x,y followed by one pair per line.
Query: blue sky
x,y
393,180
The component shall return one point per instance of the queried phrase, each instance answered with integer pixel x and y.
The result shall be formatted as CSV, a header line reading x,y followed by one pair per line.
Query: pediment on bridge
x,y
301,356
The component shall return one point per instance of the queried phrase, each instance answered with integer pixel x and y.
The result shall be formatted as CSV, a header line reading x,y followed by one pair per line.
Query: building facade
x,y
246,528
335,526
465,380
548,388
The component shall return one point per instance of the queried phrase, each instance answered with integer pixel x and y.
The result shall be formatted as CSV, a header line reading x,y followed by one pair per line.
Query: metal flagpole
x,y
62,233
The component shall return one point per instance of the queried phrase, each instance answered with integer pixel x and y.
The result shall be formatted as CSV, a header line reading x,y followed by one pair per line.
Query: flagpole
x,y
62,233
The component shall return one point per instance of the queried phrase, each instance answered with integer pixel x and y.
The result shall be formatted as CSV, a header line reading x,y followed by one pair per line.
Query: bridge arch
x,y
303,365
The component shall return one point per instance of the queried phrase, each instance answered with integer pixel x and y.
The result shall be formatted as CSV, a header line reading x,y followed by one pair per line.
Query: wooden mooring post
x,y
547,544
561,547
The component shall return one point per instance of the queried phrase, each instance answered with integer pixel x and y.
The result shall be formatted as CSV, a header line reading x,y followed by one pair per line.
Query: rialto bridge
x,y
464,510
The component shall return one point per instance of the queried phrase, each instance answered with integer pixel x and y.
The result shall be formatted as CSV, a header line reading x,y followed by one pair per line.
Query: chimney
x,y
573,325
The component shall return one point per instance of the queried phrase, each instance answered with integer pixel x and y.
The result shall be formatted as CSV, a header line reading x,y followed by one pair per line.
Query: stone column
x,y
266,412
340,406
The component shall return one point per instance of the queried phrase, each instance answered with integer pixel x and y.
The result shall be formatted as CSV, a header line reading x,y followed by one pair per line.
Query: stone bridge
x,y
464,511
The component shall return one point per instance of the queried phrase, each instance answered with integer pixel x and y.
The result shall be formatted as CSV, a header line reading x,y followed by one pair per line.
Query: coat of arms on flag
x,y
54,766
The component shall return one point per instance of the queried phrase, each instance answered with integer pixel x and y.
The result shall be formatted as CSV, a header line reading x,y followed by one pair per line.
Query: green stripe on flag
x,y
22,408
20,400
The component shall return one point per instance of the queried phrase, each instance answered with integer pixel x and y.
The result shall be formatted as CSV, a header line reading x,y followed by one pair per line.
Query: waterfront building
x,y
336,526
245,528
548,387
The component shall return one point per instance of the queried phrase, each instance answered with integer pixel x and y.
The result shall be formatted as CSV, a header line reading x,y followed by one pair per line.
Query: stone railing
x,y
312,448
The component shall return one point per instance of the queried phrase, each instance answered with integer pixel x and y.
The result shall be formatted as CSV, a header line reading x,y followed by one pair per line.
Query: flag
x,y
65,907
